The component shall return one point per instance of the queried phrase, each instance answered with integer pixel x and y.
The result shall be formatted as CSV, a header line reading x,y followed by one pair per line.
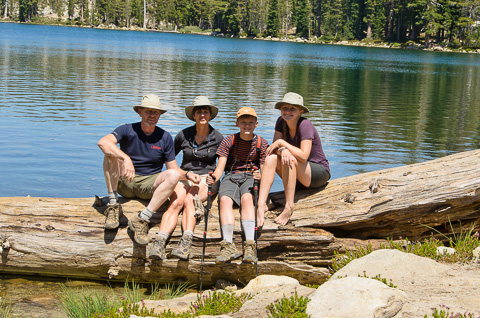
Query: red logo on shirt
x,y
155,147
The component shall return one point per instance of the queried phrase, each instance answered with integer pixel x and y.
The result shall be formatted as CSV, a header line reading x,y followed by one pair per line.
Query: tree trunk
x,y
65,237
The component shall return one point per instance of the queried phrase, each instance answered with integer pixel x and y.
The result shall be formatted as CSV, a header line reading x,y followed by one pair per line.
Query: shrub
x,y
444,312
294,307
217,303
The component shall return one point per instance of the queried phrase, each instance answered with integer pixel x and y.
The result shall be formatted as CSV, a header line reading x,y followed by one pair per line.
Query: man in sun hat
x,y
135,169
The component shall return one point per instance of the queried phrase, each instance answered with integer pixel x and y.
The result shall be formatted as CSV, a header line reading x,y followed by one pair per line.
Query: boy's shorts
x,y
141,187
320,176
235,185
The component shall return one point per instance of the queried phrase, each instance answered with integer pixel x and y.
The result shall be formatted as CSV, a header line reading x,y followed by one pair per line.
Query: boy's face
x,y
247,124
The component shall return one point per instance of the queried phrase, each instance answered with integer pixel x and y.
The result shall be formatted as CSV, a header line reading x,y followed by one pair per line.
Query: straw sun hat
x,y
150,101
201,101
292,99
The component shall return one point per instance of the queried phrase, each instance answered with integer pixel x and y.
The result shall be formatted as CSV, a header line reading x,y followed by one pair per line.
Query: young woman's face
x,y
202,115
291,112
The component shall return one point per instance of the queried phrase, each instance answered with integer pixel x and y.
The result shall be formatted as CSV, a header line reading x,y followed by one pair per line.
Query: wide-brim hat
x,y
150,101
201,101
292,99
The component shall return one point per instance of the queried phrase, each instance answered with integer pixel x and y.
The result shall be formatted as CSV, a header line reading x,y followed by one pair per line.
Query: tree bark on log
x,y
65,237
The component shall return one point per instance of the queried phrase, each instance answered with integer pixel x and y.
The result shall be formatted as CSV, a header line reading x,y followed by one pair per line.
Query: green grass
x,y
84,302
4,308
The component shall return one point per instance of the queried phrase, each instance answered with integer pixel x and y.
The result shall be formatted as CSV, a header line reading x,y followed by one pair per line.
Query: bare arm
x,y
301,154
217,174
108,145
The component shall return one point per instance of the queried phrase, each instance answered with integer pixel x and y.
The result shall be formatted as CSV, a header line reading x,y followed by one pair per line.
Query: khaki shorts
x,y
141,187
190,184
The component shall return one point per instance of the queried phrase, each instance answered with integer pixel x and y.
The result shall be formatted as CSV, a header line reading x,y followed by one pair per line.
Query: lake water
x,y
63,88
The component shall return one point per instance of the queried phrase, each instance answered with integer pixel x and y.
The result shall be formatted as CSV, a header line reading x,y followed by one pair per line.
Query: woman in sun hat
x,y
199,145
296,154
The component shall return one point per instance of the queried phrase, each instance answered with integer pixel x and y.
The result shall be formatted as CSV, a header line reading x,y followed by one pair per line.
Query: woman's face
x,y
202,115
291,112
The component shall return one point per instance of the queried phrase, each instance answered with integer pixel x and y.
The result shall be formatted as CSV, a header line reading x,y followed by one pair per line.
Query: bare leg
x,y
247,207
268,175
111,171
226,211
188,217
170,217
289,178
163,188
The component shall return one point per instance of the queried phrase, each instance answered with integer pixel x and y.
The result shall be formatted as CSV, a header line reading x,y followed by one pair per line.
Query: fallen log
x,y
65,237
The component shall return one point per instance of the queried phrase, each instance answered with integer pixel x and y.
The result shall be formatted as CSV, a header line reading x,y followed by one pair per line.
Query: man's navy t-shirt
x,y
148,153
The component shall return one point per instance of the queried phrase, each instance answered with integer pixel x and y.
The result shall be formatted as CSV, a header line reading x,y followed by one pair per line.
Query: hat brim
x,y
280,104
136,108
189,111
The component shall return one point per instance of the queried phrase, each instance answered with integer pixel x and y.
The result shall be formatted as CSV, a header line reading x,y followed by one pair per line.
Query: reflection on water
x,y
64,88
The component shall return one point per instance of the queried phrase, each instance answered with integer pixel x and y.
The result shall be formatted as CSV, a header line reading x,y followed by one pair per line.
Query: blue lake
x,y
63,88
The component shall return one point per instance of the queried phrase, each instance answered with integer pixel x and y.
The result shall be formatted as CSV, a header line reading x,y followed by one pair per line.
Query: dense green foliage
x,y
442,22
294,306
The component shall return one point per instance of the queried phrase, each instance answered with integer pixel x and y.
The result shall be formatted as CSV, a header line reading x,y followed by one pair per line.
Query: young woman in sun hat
x,y
199,145
296,154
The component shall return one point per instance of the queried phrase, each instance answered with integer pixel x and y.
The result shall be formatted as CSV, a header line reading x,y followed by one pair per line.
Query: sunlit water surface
x,y
63,88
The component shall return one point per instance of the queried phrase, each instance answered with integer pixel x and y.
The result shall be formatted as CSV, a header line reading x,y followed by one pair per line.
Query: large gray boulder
x,y
355,297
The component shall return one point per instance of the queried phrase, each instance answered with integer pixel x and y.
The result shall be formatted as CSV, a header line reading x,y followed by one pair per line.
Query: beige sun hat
x,y
201,101
292,99
150,101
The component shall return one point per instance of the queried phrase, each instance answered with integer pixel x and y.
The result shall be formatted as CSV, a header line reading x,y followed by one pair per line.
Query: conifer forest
x,y
450,23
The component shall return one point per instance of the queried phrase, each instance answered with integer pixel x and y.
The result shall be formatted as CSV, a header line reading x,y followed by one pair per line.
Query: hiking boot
x,y
157,249
228,251
112,213
183,249
249,251
199,208
140,227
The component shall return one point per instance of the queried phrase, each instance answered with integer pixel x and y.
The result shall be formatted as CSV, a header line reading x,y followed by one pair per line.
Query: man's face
x,y
149,116
247,124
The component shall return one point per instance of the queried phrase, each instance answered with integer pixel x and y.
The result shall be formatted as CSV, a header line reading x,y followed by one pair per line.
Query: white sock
x,y
146,214
227,232
163,235
112,197
249,229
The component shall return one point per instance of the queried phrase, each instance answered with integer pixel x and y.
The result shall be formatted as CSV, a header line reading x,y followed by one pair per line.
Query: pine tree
x,y
273,21
302,18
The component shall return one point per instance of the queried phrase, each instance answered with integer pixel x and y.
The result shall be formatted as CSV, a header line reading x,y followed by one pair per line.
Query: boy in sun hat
x,y
240,157
135,171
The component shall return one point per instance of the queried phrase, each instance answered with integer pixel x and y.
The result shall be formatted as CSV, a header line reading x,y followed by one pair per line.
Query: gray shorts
x,y
320,176
235,185
141,187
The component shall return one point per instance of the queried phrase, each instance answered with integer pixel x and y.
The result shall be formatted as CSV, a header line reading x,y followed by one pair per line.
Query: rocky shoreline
x,y
410,45
416,285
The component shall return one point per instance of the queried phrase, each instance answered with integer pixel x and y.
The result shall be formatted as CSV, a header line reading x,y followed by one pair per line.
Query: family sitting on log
x,y
135,171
